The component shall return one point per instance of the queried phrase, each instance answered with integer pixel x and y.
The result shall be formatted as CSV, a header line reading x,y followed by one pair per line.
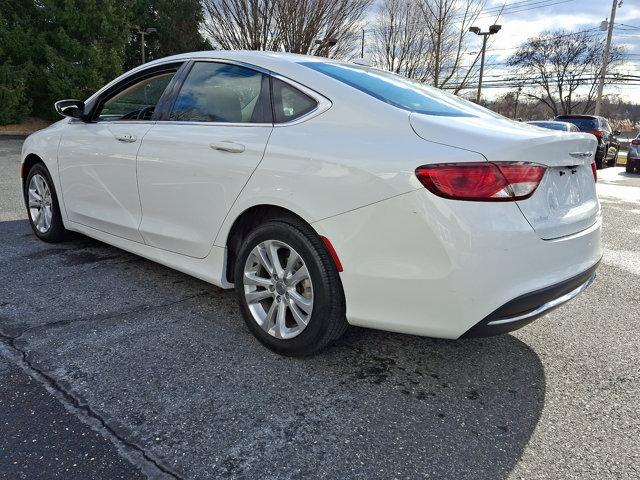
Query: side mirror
x,y
70,108
617,133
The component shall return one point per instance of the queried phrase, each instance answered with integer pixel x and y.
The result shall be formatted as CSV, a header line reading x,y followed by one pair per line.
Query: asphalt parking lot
x,y
115,367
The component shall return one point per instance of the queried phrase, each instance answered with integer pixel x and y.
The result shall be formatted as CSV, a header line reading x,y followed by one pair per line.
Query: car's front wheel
x,y
289,288
42,205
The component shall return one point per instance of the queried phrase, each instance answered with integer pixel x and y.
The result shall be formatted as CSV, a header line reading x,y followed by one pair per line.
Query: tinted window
x,y
289,103
219,92
584,124
400,91
550,125
137,101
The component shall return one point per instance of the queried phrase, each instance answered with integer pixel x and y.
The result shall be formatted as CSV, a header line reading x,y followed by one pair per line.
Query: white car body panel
x,y
98,176
409,268
413,262
187,187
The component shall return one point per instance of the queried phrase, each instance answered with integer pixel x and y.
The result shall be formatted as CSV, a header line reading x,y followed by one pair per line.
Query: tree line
x,y
52,49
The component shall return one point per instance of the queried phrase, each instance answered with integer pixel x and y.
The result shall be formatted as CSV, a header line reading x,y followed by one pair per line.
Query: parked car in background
x,y
553,125
325,193
608,143
633,157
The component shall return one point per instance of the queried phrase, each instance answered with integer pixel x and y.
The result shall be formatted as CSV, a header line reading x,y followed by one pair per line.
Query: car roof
x,y
577,116
258,58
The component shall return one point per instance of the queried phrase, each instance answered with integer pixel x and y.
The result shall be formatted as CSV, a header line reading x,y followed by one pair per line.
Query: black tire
x,y
56,231
327,320
629,168
614,162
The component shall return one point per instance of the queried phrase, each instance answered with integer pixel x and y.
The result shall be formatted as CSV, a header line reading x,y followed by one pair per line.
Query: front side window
x,y
136,102
400,91
220,92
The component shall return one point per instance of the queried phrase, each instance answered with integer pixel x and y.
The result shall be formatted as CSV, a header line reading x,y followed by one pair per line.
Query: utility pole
x,y
605,58
142,32
515,108
362,45
492,30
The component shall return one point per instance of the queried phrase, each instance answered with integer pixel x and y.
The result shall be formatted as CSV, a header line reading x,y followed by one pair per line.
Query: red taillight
x,y
594,169
635,141
597,133
484,182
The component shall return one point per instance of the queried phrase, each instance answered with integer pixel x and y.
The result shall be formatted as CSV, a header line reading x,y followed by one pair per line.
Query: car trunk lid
x,y
565,202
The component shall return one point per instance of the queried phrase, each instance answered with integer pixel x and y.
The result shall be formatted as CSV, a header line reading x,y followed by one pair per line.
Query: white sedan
x,y
327,193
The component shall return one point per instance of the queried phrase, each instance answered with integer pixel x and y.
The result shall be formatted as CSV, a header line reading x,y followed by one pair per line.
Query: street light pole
x,y
492,29
605,58
142,32
325,44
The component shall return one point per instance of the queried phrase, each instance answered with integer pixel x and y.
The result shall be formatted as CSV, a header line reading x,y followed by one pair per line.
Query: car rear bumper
x,y
424,265
528,307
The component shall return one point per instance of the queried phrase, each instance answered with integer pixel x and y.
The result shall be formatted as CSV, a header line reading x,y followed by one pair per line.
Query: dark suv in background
x,y
608,144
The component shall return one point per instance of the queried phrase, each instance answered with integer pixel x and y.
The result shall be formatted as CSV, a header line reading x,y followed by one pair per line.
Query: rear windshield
x,y
550,125
584,124
400,91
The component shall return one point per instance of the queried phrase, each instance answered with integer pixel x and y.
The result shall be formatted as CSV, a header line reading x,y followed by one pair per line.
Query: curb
x,y
14,136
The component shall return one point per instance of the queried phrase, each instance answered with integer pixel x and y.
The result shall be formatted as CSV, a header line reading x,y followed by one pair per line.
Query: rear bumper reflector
x,y
333,253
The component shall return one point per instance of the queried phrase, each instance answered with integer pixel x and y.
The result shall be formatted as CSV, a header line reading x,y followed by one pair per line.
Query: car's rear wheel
x,y
289,289
629,167
42,205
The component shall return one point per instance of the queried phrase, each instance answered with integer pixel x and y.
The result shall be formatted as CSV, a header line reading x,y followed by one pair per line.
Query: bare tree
x,y
300,23
401,43
289,25
560,69
427,40
242,24
448,22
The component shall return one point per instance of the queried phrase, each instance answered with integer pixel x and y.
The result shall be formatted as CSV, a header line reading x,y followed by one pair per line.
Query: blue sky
x,y
573,15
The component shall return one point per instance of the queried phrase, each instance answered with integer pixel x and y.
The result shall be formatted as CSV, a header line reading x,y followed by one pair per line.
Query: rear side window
x,y
220,92
400,91
289,103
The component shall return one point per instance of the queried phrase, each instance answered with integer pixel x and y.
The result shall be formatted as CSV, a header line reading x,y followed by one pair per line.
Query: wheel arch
x,y
245,222
29,161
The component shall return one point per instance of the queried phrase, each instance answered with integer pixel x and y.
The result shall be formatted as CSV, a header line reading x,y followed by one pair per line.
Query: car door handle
x,y
227,146
126,137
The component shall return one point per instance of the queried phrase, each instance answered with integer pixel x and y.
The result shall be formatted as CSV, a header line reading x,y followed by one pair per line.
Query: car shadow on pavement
x,y
168,364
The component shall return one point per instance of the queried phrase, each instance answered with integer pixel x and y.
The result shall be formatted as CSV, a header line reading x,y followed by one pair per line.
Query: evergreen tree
x,y
61,49
178,29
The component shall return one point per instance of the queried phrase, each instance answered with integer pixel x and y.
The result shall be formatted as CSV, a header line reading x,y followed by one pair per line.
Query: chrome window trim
x,y
213,124
323,103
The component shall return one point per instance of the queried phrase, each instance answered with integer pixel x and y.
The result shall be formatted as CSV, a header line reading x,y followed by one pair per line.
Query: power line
x,y
548,3
633,27
490,11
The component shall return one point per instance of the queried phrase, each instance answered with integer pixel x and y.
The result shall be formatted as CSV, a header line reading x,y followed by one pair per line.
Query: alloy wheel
x,y
40,203
278,289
